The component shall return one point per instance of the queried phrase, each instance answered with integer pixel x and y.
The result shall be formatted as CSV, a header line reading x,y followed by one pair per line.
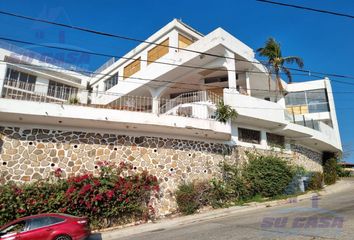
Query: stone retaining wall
x,y
32,154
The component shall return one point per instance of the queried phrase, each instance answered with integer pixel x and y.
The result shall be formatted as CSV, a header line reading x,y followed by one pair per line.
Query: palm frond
x,y
287,73
294,59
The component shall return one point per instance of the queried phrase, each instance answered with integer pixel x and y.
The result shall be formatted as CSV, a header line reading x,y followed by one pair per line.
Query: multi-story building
x,y
155,107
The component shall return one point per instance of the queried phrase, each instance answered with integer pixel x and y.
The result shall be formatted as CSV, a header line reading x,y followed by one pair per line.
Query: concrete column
x,y
230,65
3,68
248,84
155,94
155,105
264,139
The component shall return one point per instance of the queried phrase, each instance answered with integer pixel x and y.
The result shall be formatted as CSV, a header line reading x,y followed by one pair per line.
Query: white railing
x,y
189,97
132,103
194,105
310,123
19,85
51,92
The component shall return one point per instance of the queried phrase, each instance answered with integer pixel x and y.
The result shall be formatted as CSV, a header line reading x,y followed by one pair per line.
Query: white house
x,y
155,107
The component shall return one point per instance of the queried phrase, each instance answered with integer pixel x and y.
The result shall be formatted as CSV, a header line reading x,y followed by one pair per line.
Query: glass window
x,y
14,75
23,77
249,135
295,98
54,220
31,79
60,90
38,222
111,82
275,140
316,96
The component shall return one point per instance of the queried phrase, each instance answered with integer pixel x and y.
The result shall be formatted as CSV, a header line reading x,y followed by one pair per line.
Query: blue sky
x,y
325,42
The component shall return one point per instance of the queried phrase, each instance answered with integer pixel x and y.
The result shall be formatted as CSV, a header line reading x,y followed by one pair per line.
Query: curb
x,y
133,228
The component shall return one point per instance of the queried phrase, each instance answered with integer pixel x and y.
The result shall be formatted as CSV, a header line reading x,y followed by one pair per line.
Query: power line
x,y
172,64
307,8
153,43
164,81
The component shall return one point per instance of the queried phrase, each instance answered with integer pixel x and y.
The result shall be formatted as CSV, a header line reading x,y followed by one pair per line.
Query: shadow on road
x,y
95,236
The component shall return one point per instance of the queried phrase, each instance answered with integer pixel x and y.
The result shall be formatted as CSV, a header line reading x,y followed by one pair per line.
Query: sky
x,y
325,42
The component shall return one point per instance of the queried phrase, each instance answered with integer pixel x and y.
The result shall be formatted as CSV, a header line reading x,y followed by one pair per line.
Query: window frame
x,y
111,82
245,140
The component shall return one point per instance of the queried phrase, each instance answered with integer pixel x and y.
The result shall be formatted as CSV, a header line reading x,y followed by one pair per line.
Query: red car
x,y
50,226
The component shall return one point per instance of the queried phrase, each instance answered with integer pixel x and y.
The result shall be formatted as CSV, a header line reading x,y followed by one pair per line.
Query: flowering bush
x,y
114,195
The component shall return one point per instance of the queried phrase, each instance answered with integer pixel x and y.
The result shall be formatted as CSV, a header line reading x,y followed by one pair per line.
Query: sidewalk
x,y
110,234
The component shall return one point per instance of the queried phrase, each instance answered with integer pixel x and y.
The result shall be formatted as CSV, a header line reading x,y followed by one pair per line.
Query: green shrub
x,y
187,198
330,171
315,181
105,198
267,175
225,113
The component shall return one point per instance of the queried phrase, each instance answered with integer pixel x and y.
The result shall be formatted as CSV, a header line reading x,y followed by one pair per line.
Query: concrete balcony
x,y
274,117
120,117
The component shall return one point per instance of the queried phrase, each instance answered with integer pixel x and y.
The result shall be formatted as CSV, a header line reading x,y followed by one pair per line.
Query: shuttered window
x,y
183,41
158,51
131,68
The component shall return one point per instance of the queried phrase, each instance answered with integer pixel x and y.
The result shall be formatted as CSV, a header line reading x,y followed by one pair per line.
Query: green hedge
x,y
330,171
267,175
112,195
262,176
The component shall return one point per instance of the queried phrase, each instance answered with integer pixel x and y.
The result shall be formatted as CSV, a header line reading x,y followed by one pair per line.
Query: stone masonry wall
x,y
31,154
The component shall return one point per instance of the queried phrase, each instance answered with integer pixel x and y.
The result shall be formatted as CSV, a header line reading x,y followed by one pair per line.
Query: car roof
x,y
62,215
44,215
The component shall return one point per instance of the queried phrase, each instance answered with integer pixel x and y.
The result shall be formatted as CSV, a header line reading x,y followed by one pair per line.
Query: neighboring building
x,y
155,108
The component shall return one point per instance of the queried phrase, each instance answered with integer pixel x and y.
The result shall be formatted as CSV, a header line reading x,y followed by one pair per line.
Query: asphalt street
x,y
324,217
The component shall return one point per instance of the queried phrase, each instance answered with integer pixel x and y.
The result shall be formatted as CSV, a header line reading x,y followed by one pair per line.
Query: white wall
x,y
41,85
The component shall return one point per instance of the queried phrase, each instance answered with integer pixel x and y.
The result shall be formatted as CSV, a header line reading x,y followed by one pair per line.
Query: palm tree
x,y
276,61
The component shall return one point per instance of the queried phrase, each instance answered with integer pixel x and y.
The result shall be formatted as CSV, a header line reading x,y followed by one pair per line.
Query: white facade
x,y
176,94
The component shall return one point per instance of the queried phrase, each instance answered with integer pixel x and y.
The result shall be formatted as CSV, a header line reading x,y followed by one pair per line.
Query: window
x,y
183,41
55,220
35,223
249,135
60,90
20,79
215,80
275,140
111,82
131,68
310,101
295,98
158,51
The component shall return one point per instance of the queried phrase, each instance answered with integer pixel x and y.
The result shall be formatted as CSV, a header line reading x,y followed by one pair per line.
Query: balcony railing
x,y
18,90
194,105
308,108
19,85
309,122
189,97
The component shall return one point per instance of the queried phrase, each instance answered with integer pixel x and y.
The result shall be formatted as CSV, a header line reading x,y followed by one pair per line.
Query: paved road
x,y
329,217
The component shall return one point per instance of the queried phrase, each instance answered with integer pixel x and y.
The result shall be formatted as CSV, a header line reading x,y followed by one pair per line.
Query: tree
x,y
276,61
